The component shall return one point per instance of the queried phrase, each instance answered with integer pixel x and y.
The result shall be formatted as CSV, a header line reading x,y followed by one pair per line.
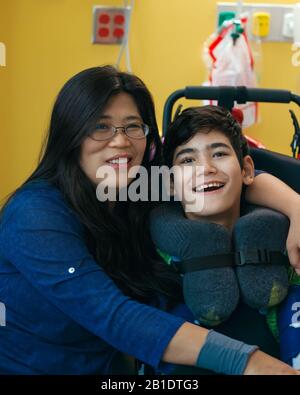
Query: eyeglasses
x,y
106,132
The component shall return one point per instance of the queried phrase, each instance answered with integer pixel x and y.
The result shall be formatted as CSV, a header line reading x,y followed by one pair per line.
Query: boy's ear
x,y
248,170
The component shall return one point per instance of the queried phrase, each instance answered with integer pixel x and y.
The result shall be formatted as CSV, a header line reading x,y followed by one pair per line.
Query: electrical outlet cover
x,y
288,25
110,24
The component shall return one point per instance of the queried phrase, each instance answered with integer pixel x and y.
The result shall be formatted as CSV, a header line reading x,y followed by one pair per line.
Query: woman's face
x,y
118,154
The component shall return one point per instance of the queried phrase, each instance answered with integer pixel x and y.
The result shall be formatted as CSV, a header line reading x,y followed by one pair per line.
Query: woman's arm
x,y
269,191
185,347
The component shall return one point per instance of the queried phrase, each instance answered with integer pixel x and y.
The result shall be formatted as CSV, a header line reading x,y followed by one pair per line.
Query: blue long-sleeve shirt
x,y
64,315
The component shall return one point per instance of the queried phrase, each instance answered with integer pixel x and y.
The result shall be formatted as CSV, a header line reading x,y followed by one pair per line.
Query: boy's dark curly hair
x,y
203,119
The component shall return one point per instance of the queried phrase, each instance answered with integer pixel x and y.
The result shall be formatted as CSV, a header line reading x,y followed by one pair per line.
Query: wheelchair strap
x,y
240,258
205,262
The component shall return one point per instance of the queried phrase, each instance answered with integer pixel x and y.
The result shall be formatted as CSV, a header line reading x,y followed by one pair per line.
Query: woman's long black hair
x,y
120,240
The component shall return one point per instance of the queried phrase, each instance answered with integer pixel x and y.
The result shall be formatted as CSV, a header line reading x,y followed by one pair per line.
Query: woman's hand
x,y
263,364
293,240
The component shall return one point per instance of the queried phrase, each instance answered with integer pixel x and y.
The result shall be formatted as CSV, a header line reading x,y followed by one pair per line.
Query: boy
x,y
212,166
209,140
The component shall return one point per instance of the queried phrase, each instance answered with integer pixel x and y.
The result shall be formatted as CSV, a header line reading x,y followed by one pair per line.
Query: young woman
x,y
80,279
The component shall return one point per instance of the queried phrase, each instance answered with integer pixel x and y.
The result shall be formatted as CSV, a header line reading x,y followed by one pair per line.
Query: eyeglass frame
x,y
115,131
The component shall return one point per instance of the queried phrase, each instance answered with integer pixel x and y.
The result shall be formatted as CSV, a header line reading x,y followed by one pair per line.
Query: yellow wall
x,y
48,41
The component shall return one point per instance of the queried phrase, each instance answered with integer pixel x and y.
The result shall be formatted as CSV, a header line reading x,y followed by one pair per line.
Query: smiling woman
x,y
120,147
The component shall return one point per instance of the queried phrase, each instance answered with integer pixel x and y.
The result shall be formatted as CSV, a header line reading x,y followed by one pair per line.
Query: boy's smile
x,y
209,168
209,187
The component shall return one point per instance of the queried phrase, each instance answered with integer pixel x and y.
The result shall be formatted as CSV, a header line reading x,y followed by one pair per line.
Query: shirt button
x,y
71,270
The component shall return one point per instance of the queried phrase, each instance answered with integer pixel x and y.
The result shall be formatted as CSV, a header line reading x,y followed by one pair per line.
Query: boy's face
x,y
214,176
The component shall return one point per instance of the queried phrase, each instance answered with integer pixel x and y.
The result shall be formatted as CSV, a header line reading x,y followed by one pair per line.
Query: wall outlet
x,y
260,24
288,25
110,24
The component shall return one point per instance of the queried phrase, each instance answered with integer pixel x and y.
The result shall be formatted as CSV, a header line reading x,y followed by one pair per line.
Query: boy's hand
x,y
293,240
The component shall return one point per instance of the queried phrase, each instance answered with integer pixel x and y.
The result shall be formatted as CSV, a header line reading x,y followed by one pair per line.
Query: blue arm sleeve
x,y
44,240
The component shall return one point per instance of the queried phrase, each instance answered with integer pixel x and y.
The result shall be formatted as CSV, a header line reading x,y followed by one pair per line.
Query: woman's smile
x,y
120,161
119,152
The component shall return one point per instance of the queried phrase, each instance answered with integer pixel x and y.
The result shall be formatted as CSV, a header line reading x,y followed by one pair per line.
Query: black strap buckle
x,y
252,256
